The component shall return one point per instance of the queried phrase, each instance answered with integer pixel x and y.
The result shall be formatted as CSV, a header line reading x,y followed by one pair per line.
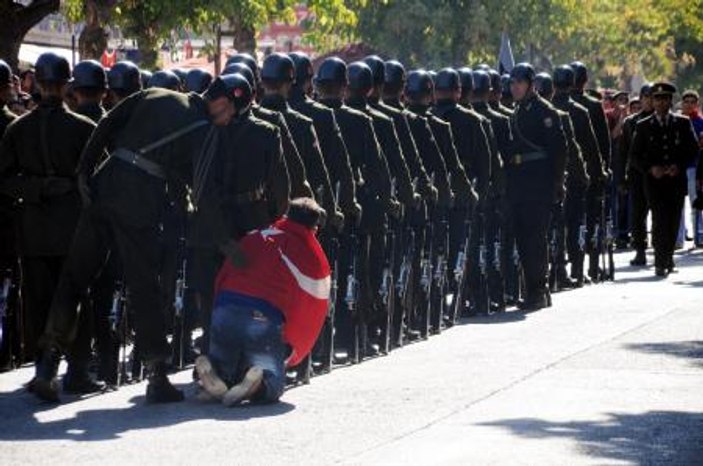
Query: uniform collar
x,y
419,109
275,102
394,102
445,103
332,102
357,102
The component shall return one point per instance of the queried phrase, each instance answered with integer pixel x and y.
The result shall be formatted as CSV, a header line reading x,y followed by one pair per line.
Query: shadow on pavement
x,y
652,437
683,349
497,318
19,421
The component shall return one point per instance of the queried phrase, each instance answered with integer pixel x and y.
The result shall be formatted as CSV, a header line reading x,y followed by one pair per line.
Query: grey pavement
x,y
612,374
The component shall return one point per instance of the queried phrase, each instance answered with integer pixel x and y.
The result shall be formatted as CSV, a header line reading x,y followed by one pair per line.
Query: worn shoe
x,y
639,260
246,388
208,377
534,304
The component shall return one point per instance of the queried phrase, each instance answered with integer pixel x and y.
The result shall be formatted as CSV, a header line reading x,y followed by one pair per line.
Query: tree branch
x,y
31,14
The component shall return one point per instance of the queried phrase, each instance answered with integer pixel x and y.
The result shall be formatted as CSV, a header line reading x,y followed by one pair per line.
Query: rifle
x,y
179,314
426,275
460,273
440,275
351,296
553,256
120,326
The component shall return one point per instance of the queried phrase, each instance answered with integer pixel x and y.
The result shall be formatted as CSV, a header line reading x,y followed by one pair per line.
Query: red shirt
x,y
287,268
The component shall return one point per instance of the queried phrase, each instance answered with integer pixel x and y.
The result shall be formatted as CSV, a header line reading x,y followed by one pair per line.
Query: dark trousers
x,y
666,198
530,223
638,211
107,341
574,212
494,245
203,269
594,216
11,341
99,231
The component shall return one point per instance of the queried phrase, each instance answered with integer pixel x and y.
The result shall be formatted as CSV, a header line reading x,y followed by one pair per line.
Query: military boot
x,y
45,385
77,380
640,259
159,389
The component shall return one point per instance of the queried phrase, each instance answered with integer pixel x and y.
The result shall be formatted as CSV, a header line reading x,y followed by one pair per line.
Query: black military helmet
x,y
89,74
181,73
332,70
246,59
544,84
466,76
447,79
564,77
646,90
378,69
523,72
5,74
482,82
197,80
145,76
580,73
483,67
419,83
124,77
303,67
395,73
278,67
165,79
360,76
505,86
495,79
244,70
233,86
52,68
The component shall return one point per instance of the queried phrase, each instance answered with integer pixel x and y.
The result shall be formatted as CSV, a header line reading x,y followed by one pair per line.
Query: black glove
x,y
336,221
394,209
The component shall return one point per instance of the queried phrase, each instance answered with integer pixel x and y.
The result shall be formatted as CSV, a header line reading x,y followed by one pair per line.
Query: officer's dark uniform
x,y
500,88
532,181
372,178
299,186
663,142
595,197
130,219
496,211
360,83
578,181
8,253
278,68
123,80
38,159
639,209
332,145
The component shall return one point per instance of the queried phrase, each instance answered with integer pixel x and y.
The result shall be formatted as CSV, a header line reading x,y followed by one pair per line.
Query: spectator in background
x,y
690,107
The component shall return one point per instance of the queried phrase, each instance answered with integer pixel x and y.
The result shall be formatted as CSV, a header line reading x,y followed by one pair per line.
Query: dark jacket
x,y
38,159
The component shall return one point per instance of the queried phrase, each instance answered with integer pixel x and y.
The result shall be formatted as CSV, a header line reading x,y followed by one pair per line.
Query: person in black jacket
x,y
663,146
38,159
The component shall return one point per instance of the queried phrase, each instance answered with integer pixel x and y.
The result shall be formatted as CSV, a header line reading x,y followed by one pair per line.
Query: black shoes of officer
x,y
640,259
159,389
77,381
45,385
535,303
661,272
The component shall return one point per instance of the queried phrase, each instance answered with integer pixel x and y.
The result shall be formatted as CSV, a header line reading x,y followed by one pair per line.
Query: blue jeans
x,y
247,332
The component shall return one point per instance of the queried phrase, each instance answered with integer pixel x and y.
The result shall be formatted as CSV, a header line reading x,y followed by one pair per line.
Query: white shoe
x,y
246,388
211,382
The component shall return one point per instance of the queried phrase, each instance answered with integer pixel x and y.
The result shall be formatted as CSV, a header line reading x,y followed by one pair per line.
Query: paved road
x,y
612,374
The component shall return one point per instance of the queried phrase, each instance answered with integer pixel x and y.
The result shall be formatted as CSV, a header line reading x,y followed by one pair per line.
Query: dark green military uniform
x,y
664,141
333,148
299,186
586,174
635,184
305,139
532,182
94,111
411,155
129,199
8,260
38,159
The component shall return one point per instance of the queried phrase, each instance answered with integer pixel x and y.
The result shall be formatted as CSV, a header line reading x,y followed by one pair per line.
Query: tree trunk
x,y
93,39
15,20
244,37
148,45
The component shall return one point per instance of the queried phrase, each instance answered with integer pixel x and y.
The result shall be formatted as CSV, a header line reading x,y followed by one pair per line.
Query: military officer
x,y
90,86
123,80
663,145
532,180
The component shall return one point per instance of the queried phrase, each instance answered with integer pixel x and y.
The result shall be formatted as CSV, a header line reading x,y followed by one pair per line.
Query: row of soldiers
x,y
453,193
